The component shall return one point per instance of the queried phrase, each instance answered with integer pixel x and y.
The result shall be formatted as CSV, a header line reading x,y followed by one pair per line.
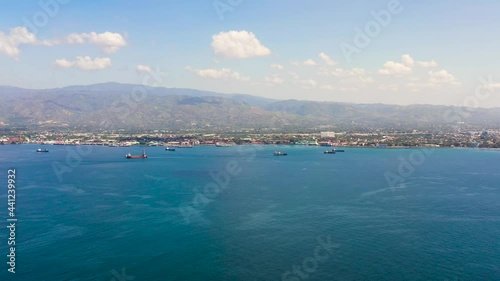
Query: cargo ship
x,y
333,151
130,156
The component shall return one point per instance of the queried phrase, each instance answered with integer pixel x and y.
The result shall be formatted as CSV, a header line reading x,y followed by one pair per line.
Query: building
x,y
327,134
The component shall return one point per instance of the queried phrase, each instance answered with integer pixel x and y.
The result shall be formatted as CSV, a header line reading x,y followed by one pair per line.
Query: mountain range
x,y
137,107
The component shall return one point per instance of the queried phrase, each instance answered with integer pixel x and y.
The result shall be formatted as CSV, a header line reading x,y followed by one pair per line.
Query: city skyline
x,y
395,52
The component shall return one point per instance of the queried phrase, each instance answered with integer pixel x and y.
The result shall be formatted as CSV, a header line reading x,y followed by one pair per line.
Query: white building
x,y
327,134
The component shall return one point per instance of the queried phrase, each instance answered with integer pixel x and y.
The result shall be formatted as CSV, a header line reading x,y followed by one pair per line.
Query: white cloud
x,y
143,68
327,87
9,43
339,72
308,62
108,42
84,63
224,73
355,76
363,79
427,64
324,72
75,38
327,60
309,83
407,60
414,87
63,63
442,77
493,85
274,80
276,66
348,89
294,75
238,44
394,68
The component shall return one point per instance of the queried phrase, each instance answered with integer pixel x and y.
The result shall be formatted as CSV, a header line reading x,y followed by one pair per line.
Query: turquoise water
x,y
110,218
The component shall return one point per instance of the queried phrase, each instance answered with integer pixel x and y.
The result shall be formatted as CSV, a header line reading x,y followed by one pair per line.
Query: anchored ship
x,y
130,156
333,151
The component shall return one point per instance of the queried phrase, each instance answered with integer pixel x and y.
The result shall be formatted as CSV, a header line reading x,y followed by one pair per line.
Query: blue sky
x,y
427,52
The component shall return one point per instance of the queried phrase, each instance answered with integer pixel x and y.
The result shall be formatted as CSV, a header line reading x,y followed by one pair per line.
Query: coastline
x,y
281,145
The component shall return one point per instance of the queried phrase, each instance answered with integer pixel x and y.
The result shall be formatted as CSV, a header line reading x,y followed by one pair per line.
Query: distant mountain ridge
x,y
113,87
123,106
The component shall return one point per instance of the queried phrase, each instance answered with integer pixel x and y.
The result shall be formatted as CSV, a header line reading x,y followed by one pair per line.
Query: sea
x,y
241,213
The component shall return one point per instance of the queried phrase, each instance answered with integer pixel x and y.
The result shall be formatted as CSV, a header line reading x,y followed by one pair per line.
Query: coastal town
x,y
470,139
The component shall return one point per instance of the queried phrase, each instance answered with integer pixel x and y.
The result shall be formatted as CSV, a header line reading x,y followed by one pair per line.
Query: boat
x,y
329,151
42,150
279,153
338,150
130,156
170,149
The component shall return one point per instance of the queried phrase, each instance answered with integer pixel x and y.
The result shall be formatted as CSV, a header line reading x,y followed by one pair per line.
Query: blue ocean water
x,y
240,213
